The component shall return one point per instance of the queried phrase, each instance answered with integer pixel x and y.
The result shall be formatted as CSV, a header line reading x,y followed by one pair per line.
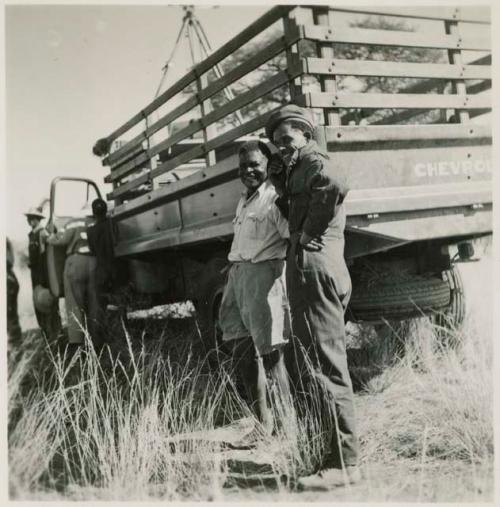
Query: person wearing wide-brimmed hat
x,y
47,315
318,282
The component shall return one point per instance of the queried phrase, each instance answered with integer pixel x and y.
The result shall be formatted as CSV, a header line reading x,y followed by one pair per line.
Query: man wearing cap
x,y
47,314
79,278
100,240
318,282
254,310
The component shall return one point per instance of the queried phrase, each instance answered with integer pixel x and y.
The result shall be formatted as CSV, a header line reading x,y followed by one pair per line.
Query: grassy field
x,y
140,421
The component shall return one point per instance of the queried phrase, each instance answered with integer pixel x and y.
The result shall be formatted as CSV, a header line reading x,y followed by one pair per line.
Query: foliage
x,y
370,84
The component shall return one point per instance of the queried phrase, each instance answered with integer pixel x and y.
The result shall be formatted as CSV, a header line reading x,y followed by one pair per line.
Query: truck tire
x,y
398,300
452,317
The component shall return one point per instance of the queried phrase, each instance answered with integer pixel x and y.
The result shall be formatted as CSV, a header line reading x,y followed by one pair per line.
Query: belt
x,y
250,262
86,254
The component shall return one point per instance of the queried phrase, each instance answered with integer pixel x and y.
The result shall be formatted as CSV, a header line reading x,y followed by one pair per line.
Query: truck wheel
x,y
400,300
452,317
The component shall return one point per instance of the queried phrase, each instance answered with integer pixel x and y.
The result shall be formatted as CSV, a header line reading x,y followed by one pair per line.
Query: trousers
x,y
82,306
319,288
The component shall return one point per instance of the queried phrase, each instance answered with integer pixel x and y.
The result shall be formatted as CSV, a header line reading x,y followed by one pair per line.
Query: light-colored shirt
x,y
74,236
260,230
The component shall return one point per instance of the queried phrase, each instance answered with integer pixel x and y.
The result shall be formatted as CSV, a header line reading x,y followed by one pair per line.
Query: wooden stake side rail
x,y
464,14
394,69
393,101
238,72
246,128
393,38
341,136
267,86
132,157
400,133
258,26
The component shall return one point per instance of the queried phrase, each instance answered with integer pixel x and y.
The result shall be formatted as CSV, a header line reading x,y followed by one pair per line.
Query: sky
x,y
74,73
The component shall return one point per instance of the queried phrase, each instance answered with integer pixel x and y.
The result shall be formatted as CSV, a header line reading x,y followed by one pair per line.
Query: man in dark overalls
x,y
79,279
48,317
318,284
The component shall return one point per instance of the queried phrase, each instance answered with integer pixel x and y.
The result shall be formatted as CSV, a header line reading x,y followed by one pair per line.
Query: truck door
x,y
69,199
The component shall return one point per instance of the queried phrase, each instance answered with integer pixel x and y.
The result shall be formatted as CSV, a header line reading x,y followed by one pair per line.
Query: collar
x,y
260,190
39,227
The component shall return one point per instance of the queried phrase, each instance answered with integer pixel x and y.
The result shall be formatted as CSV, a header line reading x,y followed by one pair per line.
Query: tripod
x,y
192,29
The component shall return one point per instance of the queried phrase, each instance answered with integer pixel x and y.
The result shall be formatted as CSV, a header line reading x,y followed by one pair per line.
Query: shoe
x,y
251,440
330,478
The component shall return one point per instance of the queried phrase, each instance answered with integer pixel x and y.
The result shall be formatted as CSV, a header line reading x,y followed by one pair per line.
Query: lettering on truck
x,y
452,168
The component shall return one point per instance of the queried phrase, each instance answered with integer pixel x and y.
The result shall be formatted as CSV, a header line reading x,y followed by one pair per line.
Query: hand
x,y
311,244
50,238
275,165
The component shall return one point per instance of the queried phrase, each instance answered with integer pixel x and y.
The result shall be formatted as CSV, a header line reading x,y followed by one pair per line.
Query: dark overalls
x,y
319,288
50,322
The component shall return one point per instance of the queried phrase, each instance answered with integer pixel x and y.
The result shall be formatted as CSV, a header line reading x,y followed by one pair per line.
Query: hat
x,y
35,212
289,112
43,299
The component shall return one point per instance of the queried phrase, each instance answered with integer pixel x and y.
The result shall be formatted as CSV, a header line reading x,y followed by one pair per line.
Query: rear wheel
x,y
453,315
399,300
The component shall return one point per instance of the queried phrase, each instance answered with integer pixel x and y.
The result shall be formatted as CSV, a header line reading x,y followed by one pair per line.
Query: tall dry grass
x,y
118,426
444,392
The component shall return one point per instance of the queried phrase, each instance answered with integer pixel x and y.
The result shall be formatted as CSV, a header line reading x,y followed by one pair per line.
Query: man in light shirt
x,y
79,278
254,311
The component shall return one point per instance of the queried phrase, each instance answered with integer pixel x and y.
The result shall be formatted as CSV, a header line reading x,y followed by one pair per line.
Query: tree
x,y
372,84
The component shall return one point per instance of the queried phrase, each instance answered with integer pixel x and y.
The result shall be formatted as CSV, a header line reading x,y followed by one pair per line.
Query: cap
x,y
289,112
35,212
99,207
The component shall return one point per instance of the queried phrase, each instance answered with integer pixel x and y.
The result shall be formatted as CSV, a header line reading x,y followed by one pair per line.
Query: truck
x,y
402,100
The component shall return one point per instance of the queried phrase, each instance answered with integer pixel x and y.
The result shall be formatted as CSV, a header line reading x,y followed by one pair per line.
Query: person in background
x,y
100,239
254,309
47,306
14,332
79,279
318,283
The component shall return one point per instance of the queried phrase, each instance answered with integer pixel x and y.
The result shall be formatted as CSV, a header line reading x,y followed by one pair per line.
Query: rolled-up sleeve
x,y
327,193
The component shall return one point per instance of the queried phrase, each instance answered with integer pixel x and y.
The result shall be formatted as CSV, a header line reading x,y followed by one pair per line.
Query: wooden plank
x,y
393,101
238,72
394,38
325,50
395,69
245,98
455,57
371,133
246,128
480,14
162,122
221,170
235,43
